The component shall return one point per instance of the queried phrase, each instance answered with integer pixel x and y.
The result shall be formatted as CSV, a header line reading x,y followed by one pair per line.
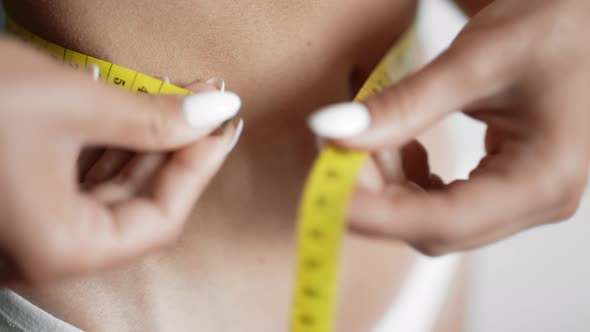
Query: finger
x,y
370,177
113,161
131,227
495,231
390,164
141,169
458,77
489,236
130,180
176,186
460,212
153,123
425,220
409,164
415,164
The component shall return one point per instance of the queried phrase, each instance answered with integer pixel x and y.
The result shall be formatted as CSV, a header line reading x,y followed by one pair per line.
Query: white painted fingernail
x,y
210,108
166,79
218,83
95,71
342,120
236,136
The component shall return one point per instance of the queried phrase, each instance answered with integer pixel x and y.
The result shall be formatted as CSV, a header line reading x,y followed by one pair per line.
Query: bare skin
x,y
232,265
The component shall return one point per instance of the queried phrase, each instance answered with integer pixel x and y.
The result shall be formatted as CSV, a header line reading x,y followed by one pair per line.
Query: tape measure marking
x,y
320,229
112,74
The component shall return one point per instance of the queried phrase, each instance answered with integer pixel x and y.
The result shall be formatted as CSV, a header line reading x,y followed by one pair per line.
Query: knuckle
x,y
437,238
572,193
405,100
160,126
160,120
566,186
568,210
431,250
481,57
397,102
570,201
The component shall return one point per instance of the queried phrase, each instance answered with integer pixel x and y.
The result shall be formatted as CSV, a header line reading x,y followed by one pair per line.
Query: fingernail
x,y
342,120
95,71
210,108
237,134
218,83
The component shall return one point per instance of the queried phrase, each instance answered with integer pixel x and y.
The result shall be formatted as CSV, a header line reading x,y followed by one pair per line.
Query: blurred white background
x,y
536,281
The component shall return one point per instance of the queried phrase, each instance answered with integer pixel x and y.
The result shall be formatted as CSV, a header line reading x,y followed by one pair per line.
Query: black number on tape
x,y
317,234
332,174
311,292
312,263
321,202
307,319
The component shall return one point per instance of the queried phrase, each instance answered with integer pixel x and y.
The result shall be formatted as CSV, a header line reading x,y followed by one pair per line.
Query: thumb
x,y
400,112
148,123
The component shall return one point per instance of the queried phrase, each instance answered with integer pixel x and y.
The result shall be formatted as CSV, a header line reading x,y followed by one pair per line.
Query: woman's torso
x,y
232,268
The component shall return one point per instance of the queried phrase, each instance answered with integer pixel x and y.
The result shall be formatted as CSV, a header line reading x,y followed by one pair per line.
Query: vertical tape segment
x,y
322,212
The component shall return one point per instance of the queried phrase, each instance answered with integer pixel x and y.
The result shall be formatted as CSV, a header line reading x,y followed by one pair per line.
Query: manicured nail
x,y
210,108
237,134
218,83
342,120
95,71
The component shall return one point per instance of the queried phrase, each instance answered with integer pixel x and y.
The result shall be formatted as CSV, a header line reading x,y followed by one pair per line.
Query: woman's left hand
x,y
523,69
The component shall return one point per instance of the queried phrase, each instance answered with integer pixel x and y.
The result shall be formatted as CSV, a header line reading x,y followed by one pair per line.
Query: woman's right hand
x,y
52,227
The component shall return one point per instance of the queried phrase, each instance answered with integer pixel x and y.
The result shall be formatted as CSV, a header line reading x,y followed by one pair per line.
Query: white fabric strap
x,y
418,305
19,315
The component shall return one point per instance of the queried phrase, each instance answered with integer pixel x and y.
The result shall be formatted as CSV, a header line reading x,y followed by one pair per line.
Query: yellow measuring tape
x,y
321,218
113,74
322,209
